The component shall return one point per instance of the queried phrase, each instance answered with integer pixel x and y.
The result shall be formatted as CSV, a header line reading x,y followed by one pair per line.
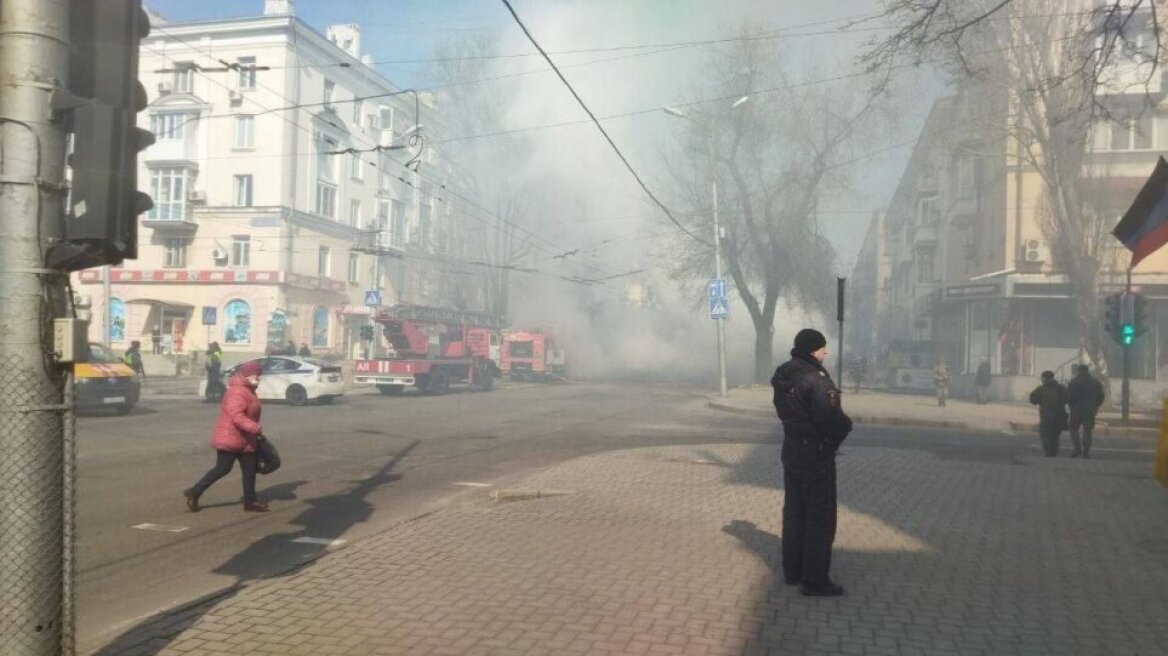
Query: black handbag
x,y
267,457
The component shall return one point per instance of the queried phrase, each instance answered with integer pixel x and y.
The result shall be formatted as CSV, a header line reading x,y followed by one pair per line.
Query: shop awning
x,y
155,301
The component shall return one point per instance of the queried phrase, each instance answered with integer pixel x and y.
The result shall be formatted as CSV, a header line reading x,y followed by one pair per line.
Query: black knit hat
x,y
809,340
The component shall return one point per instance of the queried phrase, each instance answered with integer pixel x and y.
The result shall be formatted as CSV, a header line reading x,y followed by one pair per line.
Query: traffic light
x,y
1140,314
1111,315
101,225
367,333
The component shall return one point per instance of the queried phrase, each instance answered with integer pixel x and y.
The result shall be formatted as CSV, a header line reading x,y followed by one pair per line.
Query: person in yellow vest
x,y
214,389
133,359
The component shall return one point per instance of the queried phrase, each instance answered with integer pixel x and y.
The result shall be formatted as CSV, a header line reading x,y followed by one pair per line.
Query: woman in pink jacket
x,y
235,438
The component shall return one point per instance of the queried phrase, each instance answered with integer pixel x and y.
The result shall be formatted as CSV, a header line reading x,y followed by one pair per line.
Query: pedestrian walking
x,y
214,367
982,380
156,340
1084,396
814,426
941,382
304,351
1051,399
290,349
133,359
235,437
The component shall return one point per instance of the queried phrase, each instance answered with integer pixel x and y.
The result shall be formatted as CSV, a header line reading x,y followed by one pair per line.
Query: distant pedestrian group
x,y
1072,407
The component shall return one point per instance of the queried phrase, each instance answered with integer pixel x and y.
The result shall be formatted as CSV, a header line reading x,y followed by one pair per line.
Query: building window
x,y
240,251
245,131
1128,133
355,213
424,226
168,189
358,107
243,189
966,175
326,200
330,93
175,253
184,77
117,313
320,326
173,125
356,167
354,267
247,73
926,265
397,225
237,322
927,213
324,261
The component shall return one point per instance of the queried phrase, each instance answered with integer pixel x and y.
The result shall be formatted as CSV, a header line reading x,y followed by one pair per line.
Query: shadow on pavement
x,y
325,520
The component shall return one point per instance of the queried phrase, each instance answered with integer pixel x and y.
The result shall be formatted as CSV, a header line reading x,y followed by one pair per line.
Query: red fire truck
x,y
531,355
432,348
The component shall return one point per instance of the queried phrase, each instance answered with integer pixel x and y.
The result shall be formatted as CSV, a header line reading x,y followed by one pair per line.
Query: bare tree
x,y
952,32
1065,68
774,158
491,216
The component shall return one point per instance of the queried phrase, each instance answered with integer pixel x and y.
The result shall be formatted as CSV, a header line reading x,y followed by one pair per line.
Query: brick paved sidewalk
x,y
870,407
673,551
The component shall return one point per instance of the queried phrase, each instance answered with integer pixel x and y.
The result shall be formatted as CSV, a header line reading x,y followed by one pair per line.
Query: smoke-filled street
x,y
657,525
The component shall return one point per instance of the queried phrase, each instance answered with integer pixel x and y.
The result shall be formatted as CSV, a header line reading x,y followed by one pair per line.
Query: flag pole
x,y
1125,394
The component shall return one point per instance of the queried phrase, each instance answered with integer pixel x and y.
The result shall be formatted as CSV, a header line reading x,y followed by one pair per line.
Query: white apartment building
x,y
272,215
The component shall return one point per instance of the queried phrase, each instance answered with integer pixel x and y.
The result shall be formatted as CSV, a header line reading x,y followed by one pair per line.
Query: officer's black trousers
x,y
809,518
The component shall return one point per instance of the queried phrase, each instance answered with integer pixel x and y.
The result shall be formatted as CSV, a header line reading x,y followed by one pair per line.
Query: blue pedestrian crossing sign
x,y
209,315
373,297
719,301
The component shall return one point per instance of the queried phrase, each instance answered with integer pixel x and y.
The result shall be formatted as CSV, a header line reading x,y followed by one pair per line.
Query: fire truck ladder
x,y
442,315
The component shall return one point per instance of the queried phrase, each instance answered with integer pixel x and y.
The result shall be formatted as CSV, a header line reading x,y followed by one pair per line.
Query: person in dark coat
x,y
814,426
290,349
982,380
1084,396
1051,399
235,437
304,351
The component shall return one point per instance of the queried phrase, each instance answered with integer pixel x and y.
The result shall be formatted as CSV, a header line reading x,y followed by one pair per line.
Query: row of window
x,y
236,325
175,256
183,79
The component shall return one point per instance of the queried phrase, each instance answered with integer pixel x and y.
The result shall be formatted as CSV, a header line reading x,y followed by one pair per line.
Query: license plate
x,y
114,399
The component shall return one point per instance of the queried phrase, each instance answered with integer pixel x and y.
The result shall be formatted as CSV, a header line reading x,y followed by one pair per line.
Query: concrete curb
x,y
1100,429
861,419
499,496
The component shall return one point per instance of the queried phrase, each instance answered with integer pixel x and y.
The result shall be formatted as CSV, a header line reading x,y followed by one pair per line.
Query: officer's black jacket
x,y
808,403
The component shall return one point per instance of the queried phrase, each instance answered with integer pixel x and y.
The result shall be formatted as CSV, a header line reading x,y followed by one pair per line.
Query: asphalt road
x,y
365,464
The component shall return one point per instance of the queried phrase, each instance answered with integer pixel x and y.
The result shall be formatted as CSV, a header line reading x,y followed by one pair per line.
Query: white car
x,y
293,379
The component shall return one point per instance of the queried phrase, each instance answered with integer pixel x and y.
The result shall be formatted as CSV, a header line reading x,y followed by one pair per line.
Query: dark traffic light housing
x,y
101,224
1111,316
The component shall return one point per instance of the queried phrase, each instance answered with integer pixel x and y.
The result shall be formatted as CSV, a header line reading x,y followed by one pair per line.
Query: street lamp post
x,y
720,325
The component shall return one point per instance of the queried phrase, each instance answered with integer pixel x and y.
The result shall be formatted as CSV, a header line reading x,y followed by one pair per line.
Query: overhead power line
x,y
601,128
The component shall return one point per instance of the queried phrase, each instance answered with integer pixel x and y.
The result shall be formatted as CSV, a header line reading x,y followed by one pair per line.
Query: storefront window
x,y
237,322
117,310
320,326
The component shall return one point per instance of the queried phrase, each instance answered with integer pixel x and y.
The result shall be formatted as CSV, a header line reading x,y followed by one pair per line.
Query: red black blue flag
x,y
1144,228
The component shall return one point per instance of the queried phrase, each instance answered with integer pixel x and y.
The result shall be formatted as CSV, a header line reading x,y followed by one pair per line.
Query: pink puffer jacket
x,y
239,418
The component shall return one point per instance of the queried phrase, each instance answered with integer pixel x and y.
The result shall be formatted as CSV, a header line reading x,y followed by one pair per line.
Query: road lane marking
x,y
161,527
469,484
326,542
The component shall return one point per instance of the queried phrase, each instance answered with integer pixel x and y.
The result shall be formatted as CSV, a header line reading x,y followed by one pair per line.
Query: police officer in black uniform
x,y
814,426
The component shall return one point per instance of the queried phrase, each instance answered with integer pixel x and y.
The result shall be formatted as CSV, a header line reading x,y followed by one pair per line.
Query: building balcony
x,y
171,218
173,150
925,234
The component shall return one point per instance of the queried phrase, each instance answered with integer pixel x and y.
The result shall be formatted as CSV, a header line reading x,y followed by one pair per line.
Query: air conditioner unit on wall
x,y
164,87
218,254
197,196
1035,251
235,97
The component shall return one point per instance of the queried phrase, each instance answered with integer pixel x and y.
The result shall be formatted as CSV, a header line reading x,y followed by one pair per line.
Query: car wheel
x,y
296,395
391,390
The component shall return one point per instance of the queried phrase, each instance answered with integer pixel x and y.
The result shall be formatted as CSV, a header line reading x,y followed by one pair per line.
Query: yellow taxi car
x,y
105,381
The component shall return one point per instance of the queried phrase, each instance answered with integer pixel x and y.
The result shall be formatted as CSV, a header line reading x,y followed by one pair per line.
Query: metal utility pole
x,y
107,320
34,502
721,321
1126,311
840,285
